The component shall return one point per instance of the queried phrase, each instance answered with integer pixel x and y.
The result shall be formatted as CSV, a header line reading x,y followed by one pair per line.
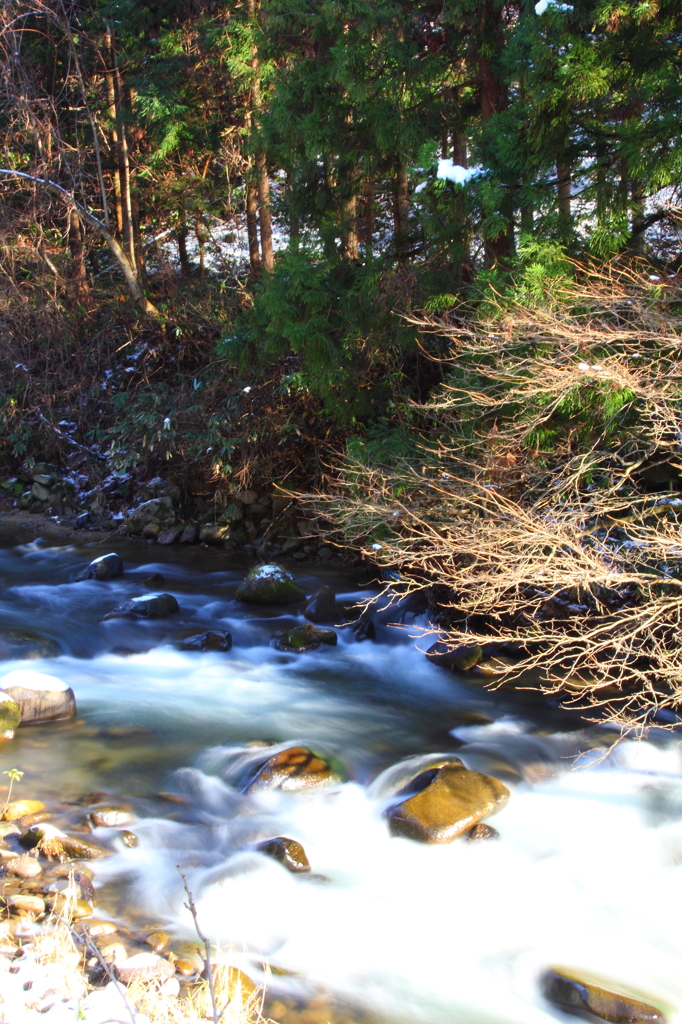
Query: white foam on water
x,y
586,873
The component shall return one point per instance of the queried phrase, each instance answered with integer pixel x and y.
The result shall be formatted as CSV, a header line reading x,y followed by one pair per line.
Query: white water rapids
x,y
587,871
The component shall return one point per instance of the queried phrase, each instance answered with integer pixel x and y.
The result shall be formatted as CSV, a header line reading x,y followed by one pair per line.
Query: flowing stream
x,y
587,871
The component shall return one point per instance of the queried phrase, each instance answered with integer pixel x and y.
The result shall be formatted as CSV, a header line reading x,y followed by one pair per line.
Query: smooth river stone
x,y
583,996
288,852
154,606
106,567
452,802
110,817
19,808
293,769
40,698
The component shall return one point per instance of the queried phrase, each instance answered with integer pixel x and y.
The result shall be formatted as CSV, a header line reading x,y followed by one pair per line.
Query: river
x,y
587,871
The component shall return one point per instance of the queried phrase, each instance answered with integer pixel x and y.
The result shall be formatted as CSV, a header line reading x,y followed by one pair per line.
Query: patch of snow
x,y
421,186
450,171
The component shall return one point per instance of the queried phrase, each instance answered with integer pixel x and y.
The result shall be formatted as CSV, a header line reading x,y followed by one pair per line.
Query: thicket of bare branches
x,y
545,502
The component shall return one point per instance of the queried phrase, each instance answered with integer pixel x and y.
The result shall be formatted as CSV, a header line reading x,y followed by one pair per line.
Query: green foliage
x,y
329,315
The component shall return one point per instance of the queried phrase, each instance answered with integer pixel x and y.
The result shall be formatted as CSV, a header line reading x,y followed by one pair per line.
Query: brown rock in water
x,y
293,769
186,967
19,808
110,817
24,866
154,606
288,852
24,644
129,838
143,967
53,843
453,800
158,941
39,697
98,928
582,996
480,832
322,606
24,903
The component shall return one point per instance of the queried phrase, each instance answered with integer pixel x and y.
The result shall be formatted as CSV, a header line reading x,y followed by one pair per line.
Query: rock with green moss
x,y
269,584
52,842
10,716
581,995
305,638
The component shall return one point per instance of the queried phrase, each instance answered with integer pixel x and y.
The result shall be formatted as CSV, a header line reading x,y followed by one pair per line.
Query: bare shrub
x,y
544,501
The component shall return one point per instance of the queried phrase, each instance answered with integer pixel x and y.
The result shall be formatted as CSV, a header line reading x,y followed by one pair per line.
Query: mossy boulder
x,y
149,606
10,716
106,567
583,996
461,658
40,697
305,638
293,769
448,802
269,584
26,645
288,852
322,606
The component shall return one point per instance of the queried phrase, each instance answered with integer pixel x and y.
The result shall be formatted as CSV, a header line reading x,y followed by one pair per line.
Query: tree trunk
x,y
262,181
563,173
267,254
366,222
401,205
493,99
349,229
185,268
128,269
115,146
79,282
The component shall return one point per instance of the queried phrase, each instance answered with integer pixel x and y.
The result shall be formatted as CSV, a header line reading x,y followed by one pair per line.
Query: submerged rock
x,y
170,535
106,567
110,817
10,716
293,769
305,638
480,832
450,801
363,629
40,698
582,996
211,640
288,852
25,866
269,584
152,606
322,606
461,658
128,838
24,644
